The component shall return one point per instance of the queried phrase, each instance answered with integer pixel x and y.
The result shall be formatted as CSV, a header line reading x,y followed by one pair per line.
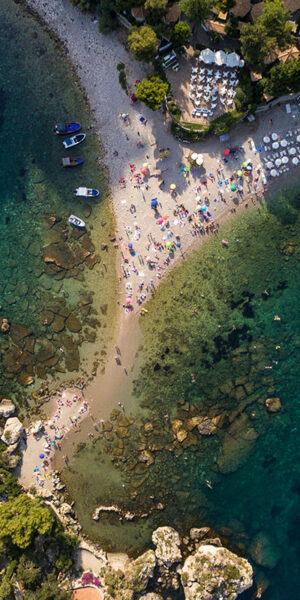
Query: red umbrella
x,y
226,151
144,171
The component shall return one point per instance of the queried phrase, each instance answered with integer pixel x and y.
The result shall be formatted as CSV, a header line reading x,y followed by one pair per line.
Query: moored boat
x,y
64,128
76,221
74,140
71,161
87,192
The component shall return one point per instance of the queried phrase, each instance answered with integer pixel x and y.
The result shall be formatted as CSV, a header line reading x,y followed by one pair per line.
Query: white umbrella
x,y
269,165
233,60
285,160
207,55
275,145
266,139
199,160
194,156
278,162
295,160
220,58
298,138
274,173
283,143
292,150
274,136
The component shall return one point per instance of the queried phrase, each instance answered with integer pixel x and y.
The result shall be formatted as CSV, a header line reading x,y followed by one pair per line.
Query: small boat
x,y
71,162
89,192
76,221
64,128
73,141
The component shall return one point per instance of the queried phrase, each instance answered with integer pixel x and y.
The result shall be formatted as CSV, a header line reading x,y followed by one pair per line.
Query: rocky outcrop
x,y
151,596
273,404
128,516
239,441
264,550
140,571
7,408
199,533
167,542
212,573
12,431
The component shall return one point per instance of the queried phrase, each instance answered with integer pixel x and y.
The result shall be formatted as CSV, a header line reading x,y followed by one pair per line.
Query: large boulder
x,y
7,408
12,431
239,441
151,596
264,550
167,542
212,573
139,571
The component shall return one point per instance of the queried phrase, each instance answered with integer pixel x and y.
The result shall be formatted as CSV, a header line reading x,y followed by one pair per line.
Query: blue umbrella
x,y
154,203
130,245
203,209
178,244
42,455
36,469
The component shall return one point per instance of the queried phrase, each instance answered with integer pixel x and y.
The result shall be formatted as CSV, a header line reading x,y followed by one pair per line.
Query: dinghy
x,y
76,221
73,141
87,192
71,162
64,128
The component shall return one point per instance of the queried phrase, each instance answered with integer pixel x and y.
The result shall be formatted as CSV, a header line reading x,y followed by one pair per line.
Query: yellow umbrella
x,y
146,166
173,186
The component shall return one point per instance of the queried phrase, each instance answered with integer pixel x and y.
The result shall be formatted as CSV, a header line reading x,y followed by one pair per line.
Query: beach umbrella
x,y
274,136
226,152
42,455
298,138
245,165
295,160
165,217
274,173
275,145
186,169
128,300
130,245
144,171
285,160
194,156
160,221
199,160
239,173
173,186
178,244
146,166
203,208
233,187
168,244
278,162
283,143
292,150
36,469
266,139
269,165
154,203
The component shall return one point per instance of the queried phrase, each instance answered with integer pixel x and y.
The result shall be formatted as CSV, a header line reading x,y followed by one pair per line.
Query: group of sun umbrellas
x,y
197,158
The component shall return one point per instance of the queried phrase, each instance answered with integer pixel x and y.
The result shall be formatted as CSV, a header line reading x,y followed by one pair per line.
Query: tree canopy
x,y
22,518
283,78
196,10
143,43
275,18
152,91
181,33
256,45
156,8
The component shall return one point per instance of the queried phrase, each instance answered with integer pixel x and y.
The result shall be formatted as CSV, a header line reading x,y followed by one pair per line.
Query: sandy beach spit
x,y
144,237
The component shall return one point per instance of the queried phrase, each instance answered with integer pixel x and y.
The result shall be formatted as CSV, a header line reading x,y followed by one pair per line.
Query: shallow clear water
x,y
213,347
37,89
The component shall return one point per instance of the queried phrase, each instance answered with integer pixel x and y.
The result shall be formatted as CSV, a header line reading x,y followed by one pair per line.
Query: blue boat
x,y
64,128
71,161
86,192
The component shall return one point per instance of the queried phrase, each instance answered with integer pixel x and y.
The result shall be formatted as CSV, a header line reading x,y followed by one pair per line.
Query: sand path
x,y
95,58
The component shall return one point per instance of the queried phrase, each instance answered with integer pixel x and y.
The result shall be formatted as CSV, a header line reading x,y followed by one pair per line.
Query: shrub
x,y
120,66
122,80
106,23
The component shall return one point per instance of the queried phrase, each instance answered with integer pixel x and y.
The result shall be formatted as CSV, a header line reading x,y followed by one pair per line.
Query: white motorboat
x,y
76,221
86,192
74,140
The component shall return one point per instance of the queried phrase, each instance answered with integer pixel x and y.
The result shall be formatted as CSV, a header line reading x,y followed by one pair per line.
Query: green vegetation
x,y
181,34
152,91
156,9
22,518
122,76
283,78
196,10
143,43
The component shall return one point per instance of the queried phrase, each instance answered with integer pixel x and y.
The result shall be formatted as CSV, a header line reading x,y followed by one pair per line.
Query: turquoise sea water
x,y
37,89
221,336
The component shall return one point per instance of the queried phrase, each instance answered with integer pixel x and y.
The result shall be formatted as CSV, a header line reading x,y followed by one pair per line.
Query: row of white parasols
x,y
279,162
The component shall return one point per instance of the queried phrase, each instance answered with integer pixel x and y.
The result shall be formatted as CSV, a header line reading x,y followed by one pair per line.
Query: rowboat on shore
x,y
86,192
74,140
76,221
64,128
71,162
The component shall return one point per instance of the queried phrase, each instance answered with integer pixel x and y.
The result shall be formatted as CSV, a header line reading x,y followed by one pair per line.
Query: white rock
x,y
12,431
213,573
167,542
139,571
7,408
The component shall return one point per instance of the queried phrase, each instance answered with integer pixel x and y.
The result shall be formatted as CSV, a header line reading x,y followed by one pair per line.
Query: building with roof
x,y
138,14
216,26
241,9
291,53
172,15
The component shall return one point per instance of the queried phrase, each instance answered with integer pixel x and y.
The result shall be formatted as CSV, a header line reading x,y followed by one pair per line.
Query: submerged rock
x,y
199,533
238,442
167,542
140,571
264,550
212,573
273,404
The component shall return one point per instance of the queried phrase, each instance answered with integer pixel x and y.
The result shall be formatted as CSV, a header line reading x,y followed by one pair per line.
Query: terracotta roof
x,y
255,76
173,14
292,5
257,10
289,53
138,13
241,8
215,26
222,16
